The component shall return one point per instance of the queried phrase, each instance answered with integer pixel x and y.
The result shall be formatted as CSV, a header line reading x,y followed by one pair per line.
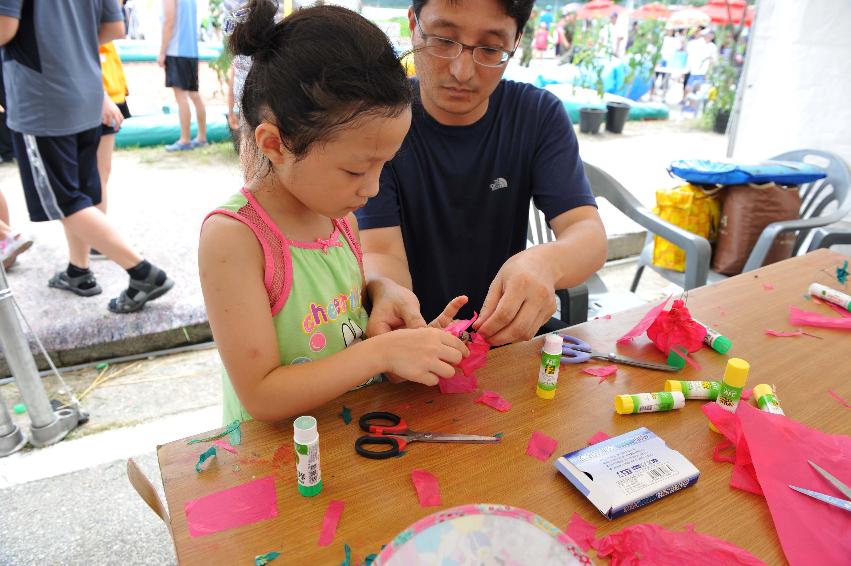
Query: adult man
x,y
179,57
56,106
452,214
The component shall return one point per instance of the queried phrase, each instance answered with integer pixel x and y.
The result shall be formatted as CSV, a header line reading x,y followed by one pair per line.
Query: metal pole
x,y
48,426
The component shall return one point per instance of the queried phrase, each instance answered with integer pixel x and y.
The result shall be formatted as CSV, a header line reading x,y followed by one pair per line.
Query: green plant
x,y
221,66
644,52
589,55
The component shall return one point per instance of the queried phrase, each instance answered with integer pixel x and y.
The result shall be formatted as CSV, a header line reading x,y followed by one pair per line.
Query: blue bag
x,y
705,172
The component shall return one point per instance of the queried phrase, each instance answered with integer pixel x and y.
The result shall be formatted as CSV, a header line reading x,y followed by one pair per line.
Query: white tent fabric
x,y
795,91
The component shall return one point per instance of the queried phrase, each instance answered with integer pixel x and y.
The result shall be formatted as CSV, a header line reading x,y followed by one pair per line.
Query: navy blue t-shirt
x,y
461,193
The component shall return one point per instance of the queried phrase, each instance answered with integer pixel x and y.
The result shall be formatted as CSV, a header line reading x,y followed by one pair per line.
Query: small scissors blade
x,y
841,503
846,491
612,357
467,438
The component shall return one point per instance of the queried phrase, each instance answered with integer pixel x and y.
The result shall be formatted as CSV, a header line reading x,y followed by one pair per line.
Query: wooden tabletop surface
x,y
379,497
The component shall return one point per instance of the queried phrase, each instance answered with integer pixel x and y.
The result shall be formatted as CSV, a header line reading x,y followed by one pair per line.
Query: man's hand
x,y
520,300
393,307
110,114
161,60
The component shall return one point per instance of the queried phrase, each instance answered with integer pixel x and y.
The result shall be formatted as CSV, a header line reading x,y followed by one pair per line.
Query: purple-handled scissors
x,y
577,351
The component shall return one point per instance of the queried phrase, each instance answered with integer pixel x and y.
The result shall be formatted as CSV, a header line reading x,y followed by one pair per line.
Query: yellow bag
x,y
689,207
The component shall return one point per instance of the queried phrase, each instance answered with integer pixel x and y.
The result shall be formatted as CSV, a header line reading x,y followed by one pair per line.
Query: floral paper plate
x,y
482,534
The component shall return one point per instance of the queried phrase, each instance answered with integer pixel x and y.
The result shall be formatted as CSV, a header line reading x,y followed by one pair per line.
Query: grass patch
x,y
214,154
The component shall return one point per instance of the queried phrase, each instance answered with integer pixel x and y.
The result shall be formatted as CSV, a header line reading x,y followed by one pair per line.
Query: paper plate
x,y
482,534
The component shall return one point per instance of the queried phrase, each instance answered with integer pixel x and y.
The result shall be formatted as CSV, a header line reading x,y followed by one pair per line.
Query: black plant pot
x,y
590,120
720,124
616,114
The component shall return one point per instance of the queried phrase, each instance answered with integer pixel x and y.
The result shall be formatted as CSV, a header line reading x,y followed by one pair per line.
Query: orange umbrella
x,y
652,11
597,9
688,18
717,11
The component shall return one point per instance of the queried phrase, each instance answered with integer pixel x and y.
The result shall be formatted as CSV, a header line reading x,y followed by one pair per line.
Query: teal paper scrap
x,y
263,559
235,440
348,560
206,455
346,415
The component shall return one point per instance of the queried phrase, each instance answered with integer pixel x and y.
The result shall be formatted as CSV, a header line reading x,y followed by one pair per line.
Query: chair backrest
x,y
146,491
828,196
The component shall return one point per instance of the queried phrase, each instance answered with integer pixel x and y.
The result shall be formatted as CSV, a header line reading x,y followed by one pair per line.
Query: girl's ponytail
x,y
253,34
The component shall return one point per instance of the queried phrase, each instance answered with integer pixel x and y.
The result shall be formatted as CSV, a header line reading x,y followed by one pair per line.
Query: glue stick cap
x,y
673,385
624,404
736,373
304,430
761,390
722,344
553,343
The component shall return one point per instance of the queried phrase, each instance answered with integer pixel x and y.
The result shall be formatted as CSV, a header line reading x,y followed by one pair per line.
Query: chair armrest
x,y
766,239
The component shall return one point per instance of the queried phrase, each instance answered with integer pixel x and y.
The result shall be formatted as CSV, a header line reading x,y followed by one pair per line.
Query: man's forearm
x,y
379,265
575,256
168,27
8,29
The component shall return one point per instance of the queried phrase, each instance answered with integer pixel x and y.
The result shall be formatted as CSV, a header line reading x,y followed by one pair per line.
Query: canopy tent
x,y
718,12
795,83
651,11
598,9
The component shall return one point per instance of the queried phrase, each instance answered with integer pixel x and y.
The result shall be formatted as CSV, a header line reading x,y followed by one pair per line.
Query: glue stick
x,y
735,377
306,440
716,340
695,389
766,400
649,402
550,363
831,295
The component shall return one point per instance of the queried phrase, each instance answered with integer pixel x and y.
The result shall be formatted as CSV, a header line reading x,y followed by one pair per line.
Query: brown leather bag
x,y
747,210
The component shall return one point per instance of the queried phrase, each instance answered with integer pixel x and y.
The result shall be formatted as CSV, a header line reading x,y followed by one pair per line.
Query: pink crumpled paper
x,y
330,522
464,380
655,545
541,446
428,490
800,317
601,371
771,454
644,323
495,400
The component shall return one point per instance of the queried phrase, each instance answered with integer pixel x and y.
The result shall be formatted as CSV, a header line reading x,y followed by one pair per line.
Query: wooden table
x,y
379,497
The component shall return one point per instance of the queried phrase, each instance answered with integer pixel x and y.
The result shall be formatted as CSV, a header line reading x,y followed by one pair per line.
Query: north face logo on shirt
x,y
499,183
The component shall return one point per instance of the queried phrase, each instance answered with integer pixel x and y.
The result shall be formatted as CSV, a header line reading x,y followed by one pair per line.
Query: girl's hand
x,y
423,355
448,315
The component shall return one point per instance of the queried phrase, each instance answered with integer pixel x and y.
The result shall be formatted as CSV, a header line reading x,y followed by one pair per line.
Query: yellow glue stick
x,y
649,402
766,400
550,364
735,377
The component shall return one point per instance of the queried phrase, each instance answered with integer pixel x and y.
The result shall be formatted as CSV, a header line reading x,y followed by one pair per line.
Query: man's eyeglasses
x,y
446,48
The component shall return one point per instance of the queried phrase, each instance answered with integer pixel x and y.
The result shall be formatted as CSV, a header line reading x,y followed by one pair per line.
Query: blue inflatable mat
x,y
705,172
161,129
139,50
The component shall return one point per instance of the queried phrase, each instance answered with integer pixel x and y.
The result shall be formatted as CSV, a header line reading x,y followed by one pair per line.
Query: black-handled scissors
x,y
389,429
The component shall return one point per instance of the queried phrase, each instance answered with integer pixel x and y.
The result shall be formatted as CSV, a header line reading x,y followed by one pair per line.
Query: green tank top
x,y
315,291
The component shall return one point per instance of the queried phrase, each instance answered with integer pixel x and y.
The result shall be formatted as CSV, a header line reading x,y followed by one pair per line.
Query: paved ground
x,y
71,503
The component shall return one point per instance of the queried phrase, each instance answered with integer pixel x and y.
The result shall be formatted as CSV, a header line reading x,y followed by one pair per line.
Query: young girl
x,y
325,105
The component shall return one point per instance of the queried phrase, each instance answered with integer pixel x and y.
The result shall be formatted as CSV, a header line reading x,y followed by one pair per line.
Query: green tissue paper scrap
x,y
235,439
346,414
263,559
206,455
348,560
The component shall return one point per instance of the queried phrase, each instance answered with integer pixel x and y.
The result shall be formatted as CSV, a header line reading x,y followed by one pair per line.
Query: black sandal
x,y
146,290
61,280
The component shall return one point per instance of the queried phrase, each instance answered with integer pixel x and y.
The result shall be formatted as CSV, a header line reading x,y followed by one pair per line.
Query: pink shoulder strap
x,y
276,252
348,233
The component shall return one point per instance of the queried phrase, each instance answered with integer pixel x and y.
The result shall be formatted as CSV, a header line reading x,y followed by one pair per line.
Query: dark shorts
x,y
109,130
181,72
59,174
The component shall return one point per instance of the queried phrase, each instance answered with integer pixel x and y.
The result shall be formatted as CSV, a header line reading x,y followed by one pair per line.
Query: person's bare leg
x,y
90,227
78,249
4,210
5,230
200,115
105,147
184,113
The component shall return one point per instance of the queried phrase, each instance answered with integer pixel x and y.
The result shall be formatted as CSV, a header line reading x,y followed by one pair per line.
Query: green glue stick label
x,y
695,389
649,402
548,376
770,404
728,397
